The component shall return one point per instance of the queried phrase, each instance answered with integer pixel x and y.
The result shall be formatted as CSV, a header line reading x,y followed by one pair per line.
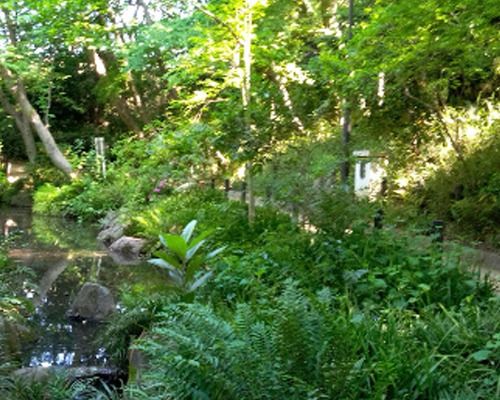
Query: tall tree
x,y
22,123
346,117
246,98
23,112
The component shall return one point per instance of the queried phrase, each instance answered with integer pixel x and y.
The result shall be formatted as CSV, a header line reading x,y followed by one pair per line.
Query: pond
x,y
59,257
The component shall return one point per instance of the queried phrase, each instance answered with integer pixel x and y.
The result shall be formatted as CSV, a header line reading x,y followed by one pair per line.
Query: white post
x,y
99,150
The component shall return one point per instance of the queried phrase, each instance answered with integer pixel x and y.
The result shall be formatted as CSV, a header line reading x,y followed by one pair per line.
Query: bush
x,y
52,200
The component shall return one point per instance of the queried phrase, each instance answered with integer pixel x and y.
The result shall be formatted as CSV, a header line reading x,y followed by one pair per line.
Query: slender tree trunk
x,y
130,81
287,99
125,114
43,132
246,100
346,138
23,125
346,117
29,115
99,62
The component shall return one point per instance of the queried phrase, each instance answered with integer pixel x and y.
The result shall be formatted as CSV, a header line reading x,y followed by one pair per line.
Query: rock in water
x,y
93,302
126,250
43,374
112,229
109,235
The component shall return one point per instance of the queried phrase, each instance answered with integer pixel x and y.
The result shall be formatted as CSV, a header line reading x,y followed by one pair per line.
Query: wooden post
x,y
244,193
437,231
378,219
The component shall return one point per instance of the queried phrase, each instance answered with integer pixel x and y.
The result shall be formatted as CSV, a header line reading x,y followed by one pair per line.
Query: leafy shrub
x,y
338,211
46,199
206,206
55,387
84,198
4,186
303,182
211,210
402,270
182,259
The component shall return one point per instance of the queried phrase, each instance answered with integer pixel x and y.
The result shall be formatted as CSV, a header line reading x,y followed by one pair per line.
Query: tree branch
x,y
219,21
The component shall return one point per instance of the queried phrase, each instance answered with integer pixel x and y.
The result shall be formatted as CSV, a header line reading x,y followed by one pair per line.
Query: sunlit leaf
x,y
216,252
200,281
188,230
174,261
481,355
162,263
193,249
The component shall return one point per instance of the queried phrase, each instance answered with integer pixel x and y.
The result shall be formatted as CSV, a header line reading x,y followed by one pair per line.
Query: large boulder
x,y
126,250
112,229
111,234
93,302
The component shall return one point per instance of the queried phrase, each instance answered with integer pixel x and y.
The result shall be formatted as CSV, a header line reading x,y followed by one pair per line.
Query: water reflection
x,y
47,359
62,256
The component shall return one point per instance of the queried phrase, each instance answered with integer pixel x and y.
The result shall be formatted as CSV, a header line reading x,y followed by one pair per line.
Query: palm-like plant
x,y
183,260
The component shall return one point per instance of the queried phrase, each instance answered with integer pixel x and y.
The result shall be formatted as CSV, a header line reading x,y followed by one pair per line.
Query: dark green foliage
x,y
304,347
402,271
388,321
181,258
55,387
6,189
139,314
376,266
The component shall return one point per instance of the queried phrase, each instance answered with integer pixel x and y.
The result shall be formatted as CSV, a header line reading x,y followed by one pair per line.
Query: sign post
x,y
100,155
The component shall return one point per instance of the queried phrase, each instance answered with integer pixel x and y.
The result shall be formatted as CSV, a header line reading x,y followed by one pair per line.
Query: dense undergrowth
x,y
291,314
435,182
337,309
347,312
326,308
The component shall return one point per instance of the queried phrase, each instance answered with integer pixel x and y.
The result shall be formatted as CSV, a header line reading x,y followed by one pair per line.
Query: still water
x,y
59,256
